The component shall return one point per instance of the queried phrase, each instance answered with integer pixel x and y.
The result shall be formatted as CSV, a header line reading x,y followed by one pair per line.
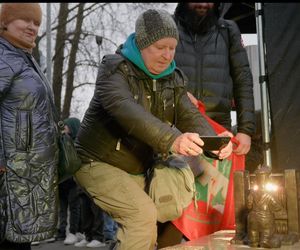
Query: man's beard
x,y
199,24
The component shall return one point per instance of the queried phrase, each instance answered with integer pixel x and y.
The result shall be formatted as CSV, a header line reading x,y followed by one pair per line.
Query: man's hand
x,y
188,144
226,151
245,144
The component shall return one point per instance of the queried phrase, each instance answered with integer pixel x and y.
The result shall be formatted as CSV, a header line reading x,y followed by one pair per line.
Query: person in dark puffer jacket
x,y
140,111
28,133
211,54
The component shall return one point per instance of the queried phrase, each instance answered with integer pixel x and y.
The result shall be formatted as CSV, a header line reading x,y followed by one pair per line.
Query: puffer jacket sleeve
x,y
6,77
118,101
242,81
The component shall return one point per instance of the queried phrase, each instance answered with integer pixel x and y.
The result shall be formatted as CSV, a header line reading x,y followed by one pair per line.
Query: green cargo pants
x,y
122,196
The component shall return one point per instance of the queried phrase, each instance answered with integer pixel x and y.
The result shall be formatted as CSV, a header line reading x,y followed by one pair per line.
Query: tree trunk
x,y
72,63
58,59
36,52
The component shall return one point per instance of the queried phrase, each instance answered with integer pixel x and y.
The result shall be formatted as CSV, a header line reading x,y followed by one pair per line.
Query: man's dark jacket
x,y
28,151
131,117
218,71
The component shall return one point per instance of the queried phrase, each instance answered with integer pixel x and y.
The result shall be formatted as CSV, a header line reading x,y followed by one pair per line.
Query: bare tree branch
x,y
72,63
59,55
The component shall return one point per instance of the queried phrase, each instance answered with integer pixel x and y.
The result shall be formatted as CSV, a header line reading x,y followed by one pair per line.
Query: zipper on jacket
x,y
154,85
149,101
198,88
154,99
165,104
29,130
199,73
118,147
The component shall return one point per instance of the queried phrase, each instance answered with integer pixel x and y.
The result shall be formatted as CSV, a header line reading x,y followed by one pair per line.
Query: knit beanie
x,y
153,25
12,11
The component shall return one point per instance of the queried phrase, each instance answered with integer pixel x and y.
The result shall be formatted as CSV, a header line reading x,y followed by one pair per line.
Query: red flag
x,y
211,216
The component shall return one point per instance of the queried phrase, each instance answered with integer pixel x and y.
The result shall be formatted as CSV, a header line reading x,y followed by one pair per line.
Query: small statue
x,y
262,205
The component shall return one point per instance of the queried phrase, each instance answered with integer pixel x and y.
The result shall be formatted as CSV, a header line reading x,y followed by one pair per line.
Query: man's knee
x,y
147,213
138,228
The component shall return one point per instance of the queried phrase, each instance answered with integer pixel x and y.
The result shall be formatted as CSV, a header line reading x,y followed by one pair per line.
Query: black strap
x,y
224,30
148,178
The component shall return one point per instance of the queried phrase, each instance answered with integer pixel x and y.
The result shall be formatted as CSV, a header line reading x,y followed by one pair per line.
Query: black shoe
x,y
112,244
60,237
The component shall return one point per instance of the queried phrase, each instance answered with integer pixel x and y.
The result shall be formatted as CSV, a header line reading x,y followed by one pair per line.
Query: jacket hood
x,y
220,9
